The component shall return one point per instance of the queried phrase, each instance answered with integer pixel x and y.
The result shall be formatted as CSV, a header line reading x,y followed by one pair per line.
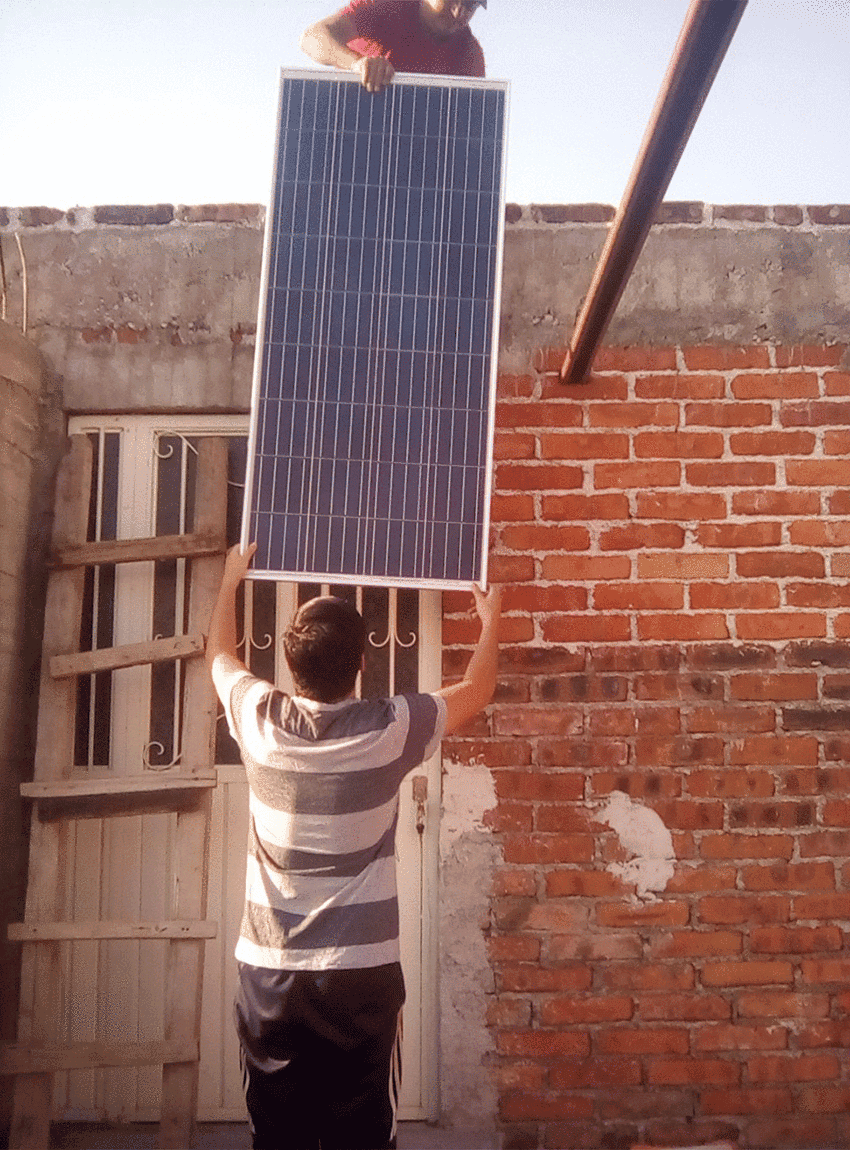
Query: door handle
x,y
420,797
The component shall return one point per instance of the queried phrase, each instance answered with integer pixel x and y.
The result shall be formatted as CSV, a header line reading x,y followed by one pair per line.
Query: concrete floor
x,y
234,1136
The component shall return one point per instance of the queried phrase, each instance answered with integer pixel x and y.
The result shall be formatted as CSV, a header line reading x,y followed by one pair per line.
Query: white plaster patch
x,y
469,792
645,839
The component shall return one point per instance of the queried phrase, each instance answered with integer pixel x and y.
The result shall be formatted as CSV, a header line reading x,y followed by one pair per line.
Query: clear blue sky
x,y
123,101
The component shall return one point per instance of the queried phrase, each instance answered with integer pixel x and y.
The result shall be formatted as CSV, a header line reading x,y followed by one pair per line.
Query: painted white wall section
x,y
468,859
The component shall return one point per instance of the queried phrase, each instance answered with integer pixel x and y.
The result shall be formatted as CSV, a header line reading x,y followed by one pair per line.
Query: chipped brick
x,y
741,213
818,654
788,215
221,213
829,213
680,212
133,215
96,334
40,217
815,719
571,213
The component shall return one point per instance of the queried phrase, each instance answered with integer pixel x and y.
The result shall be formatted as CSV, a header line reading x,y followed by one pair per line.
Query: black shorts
x,y
321,1056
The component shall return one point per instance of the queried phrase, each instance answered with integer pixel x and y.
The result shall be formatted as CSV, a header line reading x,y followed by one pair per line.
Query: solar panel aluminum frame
x,y
489,349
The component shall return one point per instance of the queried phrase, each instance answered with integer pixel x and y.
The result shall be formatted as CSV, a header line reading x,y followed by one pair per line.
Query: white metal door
x,y
129,721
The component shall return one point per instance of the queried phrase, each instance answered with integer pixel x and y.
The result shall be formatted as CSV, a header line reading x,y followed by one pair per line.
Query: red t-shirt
x,y
392,28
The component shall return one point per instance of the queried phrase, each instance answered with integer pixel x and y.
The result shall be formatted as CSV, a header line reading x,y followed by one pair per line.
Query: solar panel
x,y
370,450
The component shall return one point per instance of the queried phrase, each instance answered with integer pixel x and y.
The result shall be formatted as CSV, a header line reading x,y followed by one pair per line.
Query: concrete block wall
x,y
140,308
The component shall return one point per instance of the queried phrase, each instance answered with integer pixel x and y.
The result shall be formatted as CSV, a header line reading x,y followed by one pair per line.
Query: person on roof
x,y
377,38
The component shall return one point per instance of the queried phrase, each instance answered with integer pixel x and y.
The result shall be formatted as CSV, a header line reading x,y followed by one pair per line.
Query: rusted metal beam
x,y
706,34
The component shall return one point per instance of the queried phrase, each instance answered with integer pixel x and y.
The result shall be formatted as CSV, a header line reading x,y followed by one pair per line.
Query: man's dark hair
x,y
323,646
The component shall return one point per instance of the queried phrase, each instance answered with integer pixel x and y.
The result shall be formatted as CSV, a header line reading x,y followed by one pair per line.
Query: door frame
x,y
418,852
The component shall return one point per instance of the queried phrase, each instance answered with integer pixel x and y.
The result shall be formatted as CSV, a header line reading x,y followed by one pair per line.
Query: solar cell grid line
x,y
423,539
376,324
435,422
330,409
319,538
291,310
318,345
443,285
369,299
477,492
392,210
364,306
312,186
293,329
342,230
398,244
370,447
391,377
435,286
318,341
463,238
305,332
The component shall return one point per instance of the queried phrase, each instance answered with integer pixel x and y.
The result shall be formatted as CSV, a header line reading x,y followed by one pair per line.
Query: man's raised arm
x,y
327,42
475,690
222,642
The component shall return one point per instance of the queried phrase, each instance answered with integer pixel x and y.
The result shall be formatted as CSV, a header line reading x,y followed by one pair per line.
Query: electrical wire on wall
x,y
24,288
4,285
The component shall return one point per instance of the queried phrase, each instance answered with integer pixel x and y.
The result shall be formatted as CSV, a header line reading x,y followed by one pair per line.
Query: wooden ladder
x,y
60,796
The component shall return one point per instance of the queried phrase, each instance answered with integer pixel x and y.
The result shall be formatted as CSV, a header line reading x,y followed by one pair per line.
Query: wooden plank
x,y
140,550
130,655
238,798
154,877
185,969
70,931
78,1089
39,1016
117,785
46,1060
104,808
214,997
122,1003
63,610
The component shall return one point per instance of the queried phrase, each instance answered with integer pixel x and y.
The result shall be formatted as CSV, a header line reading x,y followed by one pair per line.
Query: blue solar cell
x,y
371,417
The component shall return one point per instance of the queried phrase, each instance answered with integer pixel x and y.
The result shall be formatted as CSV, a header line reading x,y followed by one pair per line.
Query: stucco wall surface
x,y
147,315
692,284
150,308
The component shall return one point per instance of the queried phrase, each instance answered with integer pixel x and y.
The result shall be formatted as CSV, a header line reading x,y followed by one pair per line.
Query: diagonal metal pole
x,y
706,34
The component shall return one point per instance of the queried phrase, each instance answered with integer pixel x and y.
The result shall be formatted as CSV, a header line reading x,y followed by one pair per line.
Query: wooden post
x,y
41,1004
185,965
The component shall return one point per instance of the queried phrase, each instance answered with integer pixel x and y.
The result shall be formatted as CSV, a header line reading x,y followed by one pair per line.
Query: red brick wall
x,y
675,539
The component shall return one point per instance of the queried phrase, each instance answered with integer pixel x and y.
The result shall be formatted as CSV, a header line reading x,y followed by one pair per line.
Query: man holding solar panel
x,y
320,990
377,38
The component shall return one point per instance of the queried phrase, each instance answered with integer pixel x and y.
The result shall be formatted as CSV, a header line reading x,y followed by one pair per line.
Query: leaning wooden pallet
x,y
59,797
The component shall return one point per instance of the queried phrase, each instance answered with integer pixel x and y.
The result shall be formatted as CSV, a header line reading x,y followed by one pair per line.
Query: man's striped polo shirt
x,y
320,888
